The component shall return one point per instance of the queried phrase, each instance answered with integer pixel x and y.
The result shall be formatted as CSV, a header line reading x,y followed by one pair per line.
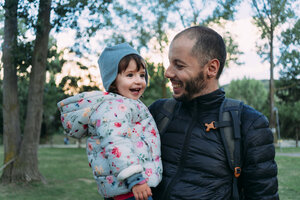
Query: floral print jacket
x,y
122,141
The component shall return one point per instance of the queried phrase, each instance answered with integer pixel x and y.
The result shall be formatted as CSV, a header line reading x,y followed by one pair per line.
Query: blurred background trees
x,y
269,17
252,92
147,26
288,86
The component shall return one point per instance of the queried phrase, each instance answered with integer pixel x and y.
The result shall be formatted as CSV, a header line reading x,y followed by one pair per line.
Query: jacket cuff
x,y
134,180
129,171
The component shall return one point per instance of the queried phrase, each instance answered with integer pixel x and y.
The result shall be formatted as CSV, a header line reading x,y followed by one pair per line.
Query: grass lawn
x,y
288,174
70,178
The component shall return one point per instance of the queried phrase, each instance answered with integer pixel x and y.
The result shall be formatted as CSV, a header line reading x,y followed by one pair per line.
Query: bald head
x,y
208,45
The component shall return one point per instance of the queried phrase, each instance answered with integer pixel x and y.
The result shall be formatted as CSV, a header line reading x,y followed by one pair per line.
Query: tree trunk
x,y
272,87
297,137
26,165
11,115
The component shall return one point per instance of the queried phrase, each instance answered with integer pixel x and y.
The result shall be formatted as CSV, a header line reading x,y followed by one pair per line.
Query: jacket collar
x,y
207,101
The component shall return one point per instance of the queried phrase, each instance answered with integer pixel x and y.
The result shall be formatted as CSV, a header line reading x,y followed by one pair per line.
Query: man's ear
x,y
213,68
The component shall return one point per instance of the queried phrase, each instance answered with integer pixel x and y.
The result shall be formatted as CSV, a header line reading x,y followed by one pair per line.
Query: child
x,y
123,145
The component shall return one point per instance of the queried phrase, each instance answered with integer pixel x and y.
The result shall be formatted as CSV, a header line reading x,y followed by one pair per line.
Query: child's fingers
x,y
140,196
149,192
141,192
145,195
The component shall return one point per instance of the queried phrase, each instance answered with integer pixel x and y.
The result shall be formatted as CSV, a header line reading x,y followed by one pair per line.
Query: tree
x,y
268,17
20,147
252,92
193,12
290,120
52,93
288,86
156,88
155,21
11,122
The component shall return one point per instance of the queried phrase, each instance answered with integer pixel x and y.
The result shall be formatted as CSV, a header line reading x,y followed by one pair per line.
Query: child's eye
x,y
130,75
142,75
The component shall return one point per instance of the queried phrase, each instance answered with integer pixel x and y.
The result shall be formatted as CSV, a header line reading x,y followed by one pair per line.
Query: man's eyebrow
x,y
179,61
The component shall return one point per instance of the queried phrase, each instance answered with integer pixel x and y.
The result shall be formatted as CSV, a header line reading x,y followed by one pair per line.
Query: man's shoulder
x,y
158,105
252,117
160,102
250,112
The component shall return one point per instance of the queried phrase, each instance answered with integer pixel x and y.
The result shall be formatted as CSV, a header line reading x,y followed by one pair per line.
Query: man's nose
x,y
169,72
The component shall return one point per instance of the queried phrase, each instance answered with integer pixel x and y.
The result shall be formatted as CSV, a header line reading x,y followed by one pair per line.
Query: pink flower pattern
x,y
69,125
90,146
153,132
138,132
98,123
122,107
110,179
148,171
116,152
117,124
139,144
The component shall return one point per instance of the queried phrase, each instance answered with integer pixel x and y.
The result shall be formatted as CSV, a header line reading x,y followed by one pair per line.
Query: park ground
x,y
69,177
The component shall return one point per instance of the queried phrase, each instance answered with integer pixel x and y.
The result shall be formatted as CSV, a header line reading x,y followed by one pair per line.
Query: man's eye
x,y
130,75
179,66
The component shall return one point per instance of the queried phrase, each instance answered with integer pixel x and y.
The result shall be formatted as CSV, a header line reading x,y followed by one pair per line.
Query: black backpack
x,y
229,124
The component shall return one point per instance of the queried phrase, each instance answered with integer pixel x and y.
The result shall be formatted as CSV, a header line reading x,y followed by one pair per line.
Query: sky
x,y
245,34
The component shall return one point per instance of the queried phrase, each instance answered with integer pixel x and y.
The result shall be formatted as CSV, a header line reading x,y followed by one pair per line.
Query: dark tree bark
x,y
25,166
11,117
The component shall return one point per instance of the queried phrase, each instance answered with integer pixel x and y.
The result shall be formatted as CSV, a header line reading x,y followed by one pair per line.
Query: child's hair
x,y
123,64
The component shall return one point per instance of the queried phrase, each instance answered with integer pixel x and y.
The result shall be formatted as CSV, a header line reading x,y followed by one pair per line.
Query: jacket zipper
x,y
182,160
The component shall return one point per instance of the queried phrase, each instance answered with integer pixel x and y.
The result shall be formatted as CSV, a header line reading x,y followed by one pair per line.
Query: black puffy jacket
x,y
194,161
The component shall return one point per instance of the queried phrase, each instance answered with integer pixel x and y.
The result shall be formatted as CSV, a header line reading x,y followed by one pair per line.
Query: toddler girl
x,y
123,144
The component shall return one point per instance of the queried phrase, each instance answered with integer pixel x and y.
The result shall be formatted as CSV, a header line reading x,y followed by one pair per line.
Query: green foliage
x,y
51,117
1,116
195,13
288,86
226,9
86,17
289,116
1,20
251,92
52,93
269,15
157,87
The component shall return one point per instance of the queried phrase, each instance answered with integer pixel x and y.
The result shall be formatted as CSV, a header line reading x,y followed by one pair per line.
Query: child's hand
x,y
141,191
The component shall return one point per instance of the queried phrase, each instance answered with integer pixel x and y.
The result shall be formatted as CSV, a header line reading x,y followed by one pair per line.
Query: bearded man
x,y
195,165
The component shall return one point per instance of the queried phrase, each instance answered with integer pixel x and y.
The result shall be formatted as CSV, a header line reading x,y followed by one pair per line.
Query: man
x,y
194,160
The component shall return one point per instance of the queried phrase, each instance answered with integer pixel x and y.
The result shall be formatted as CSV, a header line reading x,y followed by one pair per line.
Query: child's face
x,y
131,83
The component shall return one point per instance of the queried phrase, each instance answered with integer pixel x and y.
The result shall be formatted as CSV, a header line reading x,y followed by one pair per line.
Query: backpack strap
x,y
165,115
229,124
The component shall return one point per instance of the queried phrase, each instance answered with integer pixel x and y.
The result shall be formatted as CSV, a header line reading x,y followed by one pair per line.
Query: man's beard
x,y
192,87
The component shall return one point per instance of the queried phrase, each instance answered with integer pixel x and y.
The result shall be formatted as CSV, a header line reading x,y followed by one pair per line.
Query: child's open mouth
x,y
135,90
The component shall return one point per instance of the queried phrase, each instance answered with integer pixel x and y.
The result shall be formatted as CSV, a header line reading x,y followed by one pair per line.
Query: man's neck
x,y
211,87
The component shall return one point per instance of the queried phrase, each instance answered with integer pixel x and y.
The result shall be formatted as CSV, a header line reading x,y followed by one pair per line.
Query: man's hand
x,y
141,191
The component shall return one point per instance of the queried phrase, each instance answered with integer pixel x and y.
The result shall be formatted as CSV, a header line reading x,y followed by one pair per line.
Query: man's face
x,y
187,76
